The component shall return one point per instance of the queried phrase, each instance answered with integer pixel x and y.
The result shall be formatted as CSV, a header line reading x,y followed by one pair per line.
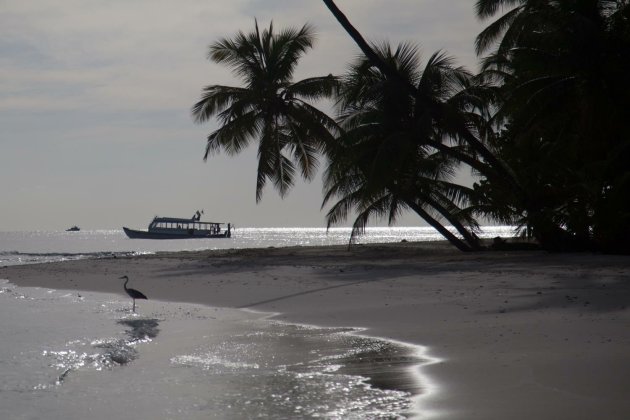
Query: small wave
x,y
207,361
355,397
70,254
117,352
19,258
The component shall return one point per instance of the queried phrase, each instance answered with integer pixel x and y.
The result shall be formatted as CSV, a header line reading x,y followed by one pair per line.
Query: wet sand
x,y
520,335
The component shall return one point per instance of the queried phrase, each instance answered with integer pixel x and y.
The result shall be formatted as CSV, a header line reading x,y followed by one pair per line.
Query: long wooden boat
x,y
178,228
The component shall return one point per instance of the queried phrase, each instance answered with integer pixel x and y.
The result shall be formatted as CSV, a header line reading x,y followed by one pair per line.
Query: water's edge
x,y
407,358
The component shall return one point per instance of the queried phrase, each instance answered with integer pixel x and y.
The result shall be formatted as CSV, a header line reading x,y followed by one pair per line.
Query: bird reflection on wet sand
x,y
141,328
123,351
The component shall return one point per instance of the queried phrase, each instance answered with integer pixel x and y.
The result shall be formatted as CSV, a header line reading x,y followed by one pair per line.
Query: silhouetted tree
x,y
561,70
270,108
384,161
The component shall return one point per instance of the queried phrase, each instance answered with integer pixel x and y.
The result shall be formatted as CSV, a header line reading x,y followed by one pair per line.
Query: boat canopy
x,y
175,223
181,220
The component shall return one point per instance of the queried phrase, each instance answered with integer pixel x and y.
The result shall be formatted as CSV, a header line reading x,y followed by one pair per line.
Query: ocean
x,y
85,355
24,247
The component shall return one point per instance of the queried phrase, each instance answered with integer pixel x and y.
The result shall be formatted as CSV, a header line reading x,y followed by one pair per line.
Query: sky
x,y
95,99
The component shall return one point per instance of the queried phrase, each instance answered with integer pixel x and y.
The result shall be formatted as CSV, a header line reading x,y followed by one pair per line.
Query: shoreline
x,y
520,334
177,343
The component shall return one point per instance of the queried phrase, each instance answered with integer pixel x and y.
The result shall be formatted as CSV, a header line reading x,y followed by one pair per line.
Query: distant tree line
x,y
543,125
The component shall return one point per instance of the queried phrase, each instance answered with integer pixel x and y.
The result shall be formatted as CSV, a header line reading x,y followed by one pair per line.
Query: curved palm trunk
x,y
458,243
471,239
365,47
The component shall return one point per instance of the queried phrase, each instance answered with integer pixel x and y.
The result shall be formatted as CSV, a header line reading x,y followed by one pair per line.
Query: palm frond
x,y
375,208
494,31
313,88
235,135
289,46
216,98
488,8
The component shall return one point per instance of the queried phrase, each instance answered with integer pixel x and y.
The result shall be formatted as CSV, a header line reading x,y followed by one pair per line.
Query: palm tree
x,y
564,94
385,162
477,154
270,108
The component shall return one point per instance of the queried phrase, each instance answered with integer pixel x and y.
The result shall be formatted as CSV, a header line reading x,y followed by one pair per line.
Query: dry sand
x,y
520,335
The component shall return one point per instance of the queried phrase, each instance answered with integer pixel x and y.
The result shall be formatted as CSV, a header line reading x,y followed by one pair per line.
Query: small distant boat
x,y
73,229
178,228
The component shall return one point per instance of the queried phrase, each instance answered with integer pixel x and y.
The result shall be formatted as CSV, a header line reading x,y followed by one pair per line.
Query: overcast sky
x,y
95,98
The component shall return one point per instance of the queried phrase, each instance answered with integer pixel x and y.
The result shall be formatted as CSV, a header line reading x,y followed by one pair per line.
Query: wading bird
x,y
133,293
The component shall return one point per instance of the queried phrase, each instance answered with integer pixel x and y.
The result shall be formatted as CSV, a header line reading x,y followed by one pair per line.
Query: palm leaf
x,y
215,99
234,136
493,32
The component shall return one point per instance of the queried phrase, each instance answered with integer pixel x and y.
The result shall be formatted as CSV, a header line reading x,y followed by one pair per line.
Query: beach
x,y
518,335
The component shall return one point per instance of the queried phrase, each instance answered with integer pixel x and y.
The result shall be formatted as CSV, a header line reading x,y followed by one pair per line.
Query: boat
x,y
73,229
181,228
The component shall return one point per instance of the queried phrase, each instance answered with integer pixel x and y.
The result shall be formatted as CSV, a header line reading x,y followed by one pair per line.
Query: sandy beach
x,y
519,335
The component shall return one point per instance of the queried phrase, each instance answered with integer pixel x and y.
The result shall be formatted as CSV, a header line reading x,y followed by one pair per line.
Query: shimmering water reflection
x,y
77,356
281,370
42,246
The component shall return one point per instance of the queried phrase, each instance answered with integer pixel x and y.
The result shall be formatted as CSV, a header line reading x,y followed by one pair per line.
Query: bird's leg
x,y
134,306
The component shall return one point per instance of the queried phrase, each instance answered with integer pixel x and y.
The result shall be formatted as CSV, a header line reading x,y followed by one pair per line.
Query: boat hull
x,y
143,234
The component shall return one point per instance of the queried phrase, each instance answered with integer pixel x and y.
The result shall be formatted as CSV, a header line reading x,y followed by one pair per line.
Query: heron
x,y
133,293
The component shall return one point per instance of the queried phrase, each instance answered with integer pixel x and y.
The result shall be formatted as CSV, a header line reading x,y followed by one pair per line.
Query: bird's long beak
x,y
123,277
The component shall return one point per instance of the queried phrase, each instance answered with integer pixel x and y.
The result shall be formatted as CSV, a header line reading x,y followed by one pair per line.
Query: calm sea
x,y
46,246
69,355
